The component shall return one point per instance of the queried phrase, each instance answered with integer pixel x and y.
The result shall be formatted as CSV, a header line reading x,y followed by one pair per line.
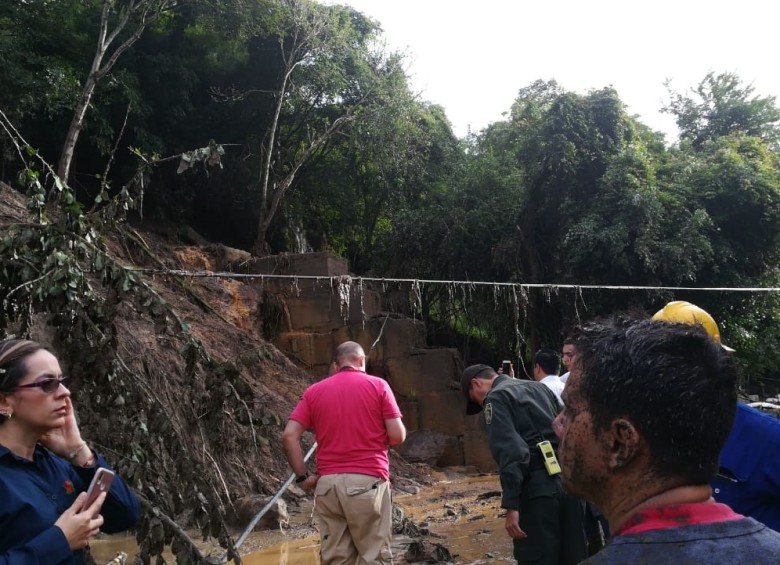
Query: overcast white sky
x,y
472,57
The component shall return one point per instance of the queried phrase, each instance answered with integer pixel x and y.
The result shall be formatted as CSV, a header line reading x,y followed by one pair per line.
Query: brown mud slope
x,y
192,404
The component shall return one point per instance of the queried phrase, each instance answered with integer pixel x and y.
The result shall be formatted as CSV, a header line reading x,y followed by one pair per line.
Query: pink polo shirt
x,y
347,413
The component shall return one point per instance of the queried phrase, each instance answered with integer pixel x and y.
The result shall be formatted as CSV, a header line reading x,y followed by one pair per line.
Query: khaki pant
x,y
354,516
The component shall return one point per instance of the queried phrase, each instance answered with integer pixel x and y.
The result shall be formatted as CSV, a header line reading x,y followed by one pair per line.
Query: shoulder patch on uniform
x,y
488,412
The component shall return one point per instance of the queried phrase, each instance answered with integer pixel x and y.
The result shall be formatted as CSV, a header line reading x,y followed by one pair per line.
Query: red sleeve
x,y
301,413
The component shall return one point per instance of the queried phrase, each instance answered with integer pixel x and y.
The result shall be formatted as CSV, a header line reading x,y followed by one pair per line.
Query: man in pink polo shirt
x,y
354,417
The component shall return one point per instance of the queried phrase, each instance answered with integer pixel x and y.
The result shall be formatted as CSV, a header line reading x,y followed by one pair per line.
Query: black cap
x,y
465,384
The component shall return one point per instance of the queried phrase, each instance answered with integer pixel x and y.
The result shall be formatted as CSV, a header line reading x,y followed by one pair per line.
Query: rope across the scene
x,y
340,279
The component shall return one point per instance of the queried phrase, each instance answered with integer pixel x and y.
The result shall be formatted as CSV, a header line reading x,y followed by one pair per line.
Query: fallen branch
x,y
175,528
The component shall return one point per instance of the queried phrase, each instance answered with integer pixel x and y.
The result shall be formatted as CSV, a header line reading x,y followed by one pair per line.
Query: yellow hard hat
x,y
682,312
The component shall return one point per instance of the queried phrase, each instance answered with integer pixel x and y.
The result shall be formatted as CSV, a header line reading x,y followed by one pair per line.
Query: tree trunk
x,y
76,123
272,198
146,11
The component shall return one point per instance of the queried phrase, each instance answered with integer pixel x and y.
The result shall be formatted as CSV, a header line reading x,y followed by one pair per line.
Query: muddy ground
x,y
457,510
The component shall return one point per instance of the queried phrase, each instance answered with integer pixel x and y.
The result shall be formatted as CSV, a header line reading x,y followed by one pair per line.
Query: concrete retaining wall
x,y
319,314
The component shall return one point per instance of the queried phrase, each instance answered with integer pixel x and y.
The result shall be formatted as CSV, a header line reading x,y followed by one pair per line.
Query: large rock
x,y
247,508
409,409
423,446
399,336
452,456
327,306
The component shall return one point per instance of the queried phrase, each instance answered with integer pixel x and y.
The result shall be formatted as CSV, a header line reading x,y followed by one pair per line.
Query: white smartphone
x,y
101,482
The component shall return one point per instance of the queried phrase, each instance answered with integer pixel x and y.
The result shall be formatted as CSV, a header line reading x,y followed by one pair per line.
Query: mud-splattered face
x,y
581,453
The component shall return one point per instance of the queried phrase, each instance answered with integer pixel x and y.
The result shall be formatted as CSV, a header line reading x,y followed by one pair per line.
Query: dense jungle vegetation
x,y
302,133
326,147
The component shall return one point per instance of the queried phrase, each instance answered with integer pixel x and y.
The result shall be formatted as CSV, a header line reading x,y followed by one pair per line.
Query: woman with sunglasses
x,y
46,466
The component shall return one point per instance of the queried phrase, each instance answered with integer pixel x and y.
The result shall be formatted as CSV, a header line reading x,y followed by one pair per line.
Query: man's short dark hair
x,y
672,381
548,360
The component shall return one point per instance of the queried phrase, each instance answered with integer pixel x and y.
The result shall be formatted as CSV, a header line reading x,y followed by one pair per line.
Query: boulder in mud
x,y
247,508
423,446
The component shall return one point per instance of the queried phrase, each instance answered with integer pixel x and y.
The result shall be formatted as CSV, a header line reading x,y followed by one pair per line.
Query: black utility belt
x,y
536,462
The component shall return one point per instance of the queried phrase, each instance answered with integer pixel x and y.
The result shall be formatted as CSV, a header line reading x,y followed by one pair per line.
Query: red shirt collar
x,y
675,515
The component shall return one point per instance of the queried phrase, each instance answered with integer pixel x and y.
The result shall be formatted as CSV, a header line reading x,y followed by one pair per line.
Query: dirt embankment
x,y
190,400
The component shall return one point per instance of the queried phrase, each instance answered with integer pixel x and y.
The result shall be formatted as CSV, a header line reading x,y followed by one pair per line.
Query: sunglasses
x,y
49,386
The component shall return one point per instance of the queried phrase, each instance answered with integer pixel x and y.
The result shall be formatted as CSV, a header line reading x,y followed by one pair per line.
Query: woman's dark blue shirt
x,y
33,495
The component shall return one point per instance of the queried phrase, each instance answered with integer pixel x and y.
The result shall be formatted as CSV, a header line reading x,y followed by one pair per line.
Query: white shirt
x,y
565,377
555,384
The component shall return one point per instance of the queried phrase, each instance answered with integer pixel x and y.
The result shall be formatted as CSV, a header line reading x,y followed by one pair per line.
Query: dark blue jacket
x,y
742,541
33,495
749,478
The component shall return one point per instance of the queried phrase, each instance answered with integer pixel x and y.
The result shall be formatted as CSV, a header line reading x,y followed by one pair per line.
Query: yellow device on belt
x,y
548,455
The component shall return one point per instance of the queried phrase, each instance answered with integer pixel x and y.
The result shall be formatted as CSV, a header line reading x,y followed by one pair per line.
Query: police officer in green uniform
x,y
545,523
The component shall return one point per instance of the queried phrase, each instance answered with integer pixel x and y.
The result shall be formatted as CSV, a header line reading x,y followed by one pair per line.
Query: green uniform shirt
x,y
518,414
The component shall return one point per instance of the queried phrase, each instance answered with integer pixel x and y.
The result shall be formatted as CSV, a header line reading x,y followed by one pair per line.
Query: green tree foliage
x,y
121,24
563,145
631,232
728,166
569,189
719,106
328,149
734,179
390,164
37,71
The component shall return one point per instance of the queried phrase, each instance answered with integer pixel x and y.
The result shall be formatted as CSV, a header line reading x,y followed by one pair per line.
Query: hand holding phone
x,y
101,482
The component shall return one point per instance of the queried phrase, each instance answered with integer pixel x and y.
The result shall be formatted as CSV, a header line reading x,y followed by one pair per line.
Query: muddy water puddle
x,y
469,526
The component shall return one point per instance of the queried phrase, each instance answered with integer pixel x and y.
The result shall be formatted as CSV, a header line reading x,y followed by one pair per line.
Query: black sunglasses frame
x,y
48,386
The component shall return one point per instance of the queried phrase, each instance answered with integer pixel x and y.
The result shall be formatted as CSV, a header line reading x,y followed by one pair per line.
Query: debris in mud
x,y
406,484
425,552
489,494
403,525
120,559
